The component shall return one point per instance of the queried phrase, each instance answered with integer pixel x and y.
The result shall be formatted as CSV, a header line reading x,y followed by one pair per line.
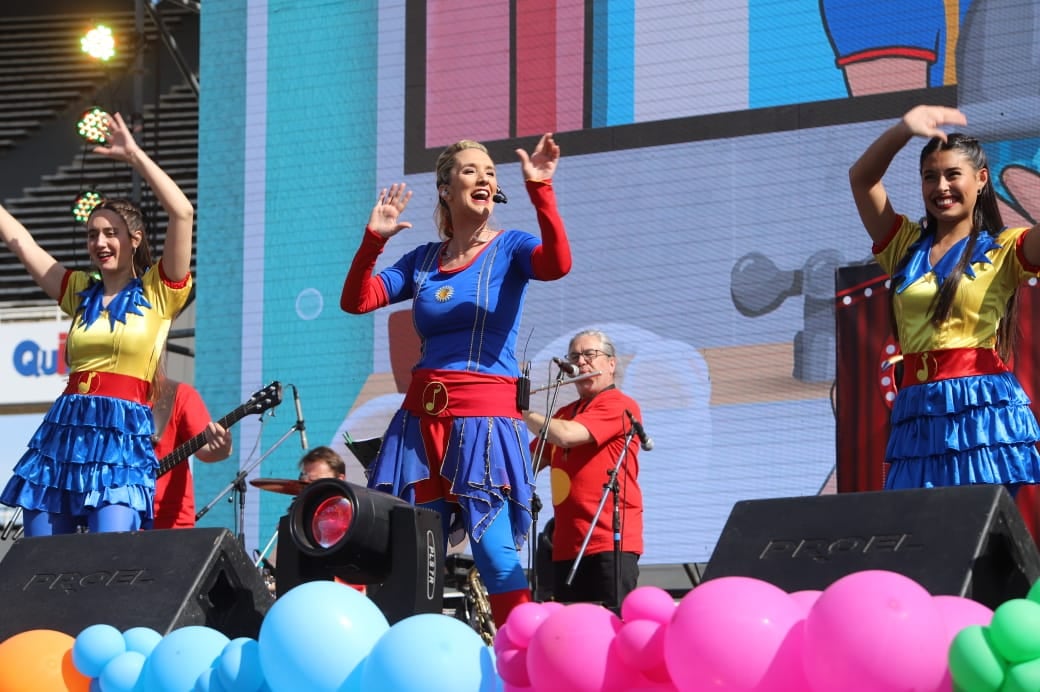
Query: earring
x,y
444,193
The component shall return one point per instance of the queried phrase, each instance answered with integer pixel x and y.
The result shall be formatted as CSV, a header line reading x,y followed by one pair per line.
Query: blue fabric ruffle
x,y
484,456
963,431
88,452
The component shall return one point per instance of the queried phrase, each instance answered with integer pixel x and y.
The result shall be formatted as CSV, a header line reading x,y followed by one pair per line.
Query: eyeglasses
x,y
589,355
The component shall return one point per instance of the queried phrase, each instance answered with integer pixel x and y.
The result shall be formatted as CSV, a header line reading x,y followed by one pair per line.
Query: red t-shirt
x,y
174,491
579,473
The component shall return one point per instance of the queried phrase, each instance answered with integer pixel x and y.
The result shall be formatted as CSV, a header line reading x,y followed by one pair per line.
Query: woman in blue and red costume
x,y
459,444
91,461
961,417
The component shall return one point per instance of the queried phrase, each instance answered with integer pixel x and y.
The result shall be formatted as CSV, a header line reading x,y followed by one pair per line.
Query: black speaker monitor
x,y
162,579
966,541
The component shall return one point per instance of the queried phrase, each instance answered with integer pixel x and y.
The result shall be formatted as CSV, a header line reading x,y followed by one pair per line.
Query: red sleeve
x,y
363,292
552,259
878,248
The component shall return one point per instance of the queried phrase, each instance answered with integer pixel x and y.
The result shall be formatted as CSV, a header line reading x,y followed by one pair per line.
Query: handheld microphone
x,y
499,197
566,367
299,418
646,442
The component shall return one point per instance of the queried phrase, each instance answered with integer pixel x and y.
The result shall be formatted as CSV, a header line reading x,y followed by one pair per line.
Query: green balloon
x,y
974,663
1015,630
1023,677
1034,592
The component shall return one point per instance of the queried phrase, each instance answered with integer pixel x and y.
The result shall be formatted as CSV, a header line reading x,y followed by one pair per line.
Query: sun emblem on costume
x,y
444,294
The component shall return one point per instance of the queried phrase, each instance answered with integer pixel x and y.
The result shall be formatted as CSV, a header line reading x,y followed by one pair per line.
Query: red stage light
x,y
331,521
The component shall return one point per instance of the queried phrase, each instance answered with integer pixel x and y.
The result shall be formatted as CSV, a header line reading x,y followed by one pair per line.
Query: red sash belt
x,y
451,393
930,366
108,384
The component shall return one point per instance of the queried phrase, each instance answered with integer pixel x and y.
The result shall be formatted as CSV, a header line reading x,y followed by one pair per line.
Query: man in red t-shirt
x,y
585,439
174,491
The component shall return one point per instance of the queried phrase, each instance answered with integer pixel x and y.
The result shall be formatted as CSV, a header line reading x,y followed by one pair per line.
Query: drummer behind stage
x,y
322,462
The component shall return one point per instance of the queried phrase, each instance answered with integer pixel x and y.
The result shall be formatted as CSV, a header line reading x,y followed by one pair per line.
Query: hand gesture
x,y
927,121
121,145
541,164
385,218
219,439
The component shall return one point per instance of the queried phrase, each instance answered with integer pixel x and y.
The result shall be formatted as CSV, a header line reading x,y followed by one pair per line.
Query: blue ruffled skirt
x,y
90,451
963,431
484,456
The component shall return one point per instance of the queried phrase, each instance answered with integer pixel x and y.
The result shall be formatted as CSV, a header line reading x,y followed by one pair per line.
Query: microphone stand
x,y
536,464
611,486
238,487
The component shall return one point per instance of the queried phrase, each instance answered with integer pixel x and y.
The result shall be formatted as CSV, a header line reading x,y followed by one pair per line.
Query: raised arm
x,y
869,193
46,271
176,257
552,259
363,292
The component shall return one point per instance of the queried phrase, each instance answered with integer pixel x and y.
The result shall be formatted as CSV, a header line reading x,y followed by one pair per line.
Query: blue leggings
x,y
497,559
106,518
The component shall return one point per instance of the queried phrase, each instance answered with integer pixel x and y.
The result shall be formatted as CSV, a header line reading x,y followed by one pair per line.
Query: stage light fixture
x,y
84,205
339,530
99,43
93,125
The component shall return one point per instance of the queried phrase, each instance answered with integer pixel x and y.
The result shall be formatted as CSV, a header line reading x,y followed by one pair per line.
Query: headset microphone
x,y
499,197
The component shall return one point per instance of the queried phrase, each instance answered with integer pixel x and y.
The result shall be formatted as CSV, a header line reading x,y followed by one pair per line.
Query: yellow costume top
x,y
127,336
994,273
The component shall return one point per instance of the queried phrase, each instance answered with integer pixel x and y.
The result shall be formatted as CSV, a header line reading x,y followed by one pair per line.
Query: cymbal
x,y
286,486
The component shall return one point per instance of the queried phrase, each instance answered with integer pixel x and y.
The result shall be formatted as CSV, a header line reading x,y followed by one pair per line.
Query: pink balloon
x,y
806,599
524,620
512,667
638,646
571,651
648,603
502,642
875,631
726,634
957,613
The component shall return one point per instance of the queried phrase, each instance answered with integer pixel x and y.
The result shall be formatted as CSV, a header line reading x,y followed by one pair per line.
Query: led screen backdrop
x,y
703,185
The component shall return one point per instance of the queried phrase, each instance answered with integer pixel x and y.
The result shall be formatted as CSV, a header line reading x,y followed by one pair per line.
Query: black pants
x,y
594,581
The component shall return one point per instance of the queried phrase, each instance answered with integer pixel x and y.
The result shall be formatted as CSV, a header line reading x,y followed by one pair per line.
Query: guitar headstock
x,y
265,399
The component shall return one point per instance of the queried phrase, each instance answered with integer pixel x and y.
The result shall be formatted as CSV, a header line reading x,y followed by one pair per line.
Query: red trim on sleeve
x,y
880,247
172,284
1021,254
363,292
552,259
64,284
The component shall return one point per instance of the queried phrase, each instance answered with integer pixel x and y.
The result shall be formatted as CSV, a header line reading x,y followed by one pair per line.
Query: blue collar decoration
x,y
129,300
918,264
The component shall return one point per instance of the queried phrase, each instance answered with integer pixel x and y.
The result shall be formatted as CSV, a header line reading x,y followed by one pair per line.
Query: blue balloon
x,y
94,647
315,636
123,673
209,681
430,653
184,654
239,666
141,639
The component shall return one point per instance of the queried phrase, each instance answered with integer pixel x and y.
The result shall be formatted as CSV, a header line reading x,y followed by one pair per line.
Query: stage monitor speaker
x,y
162,579
965,541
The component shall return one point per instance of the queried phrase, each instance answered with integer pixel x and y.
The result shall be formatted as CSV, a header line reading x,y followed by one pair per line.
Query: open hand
x,y
541,164
928,121
385,218
120,145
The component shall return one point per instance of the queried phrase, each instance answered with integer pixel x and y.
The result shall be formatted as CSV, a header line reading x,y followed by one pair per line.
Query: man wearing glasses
x,y
586,439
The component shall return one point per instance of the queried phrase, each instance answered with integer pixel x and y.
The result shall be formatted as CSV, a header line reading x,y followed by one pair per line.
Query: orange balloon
x,y
41,661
